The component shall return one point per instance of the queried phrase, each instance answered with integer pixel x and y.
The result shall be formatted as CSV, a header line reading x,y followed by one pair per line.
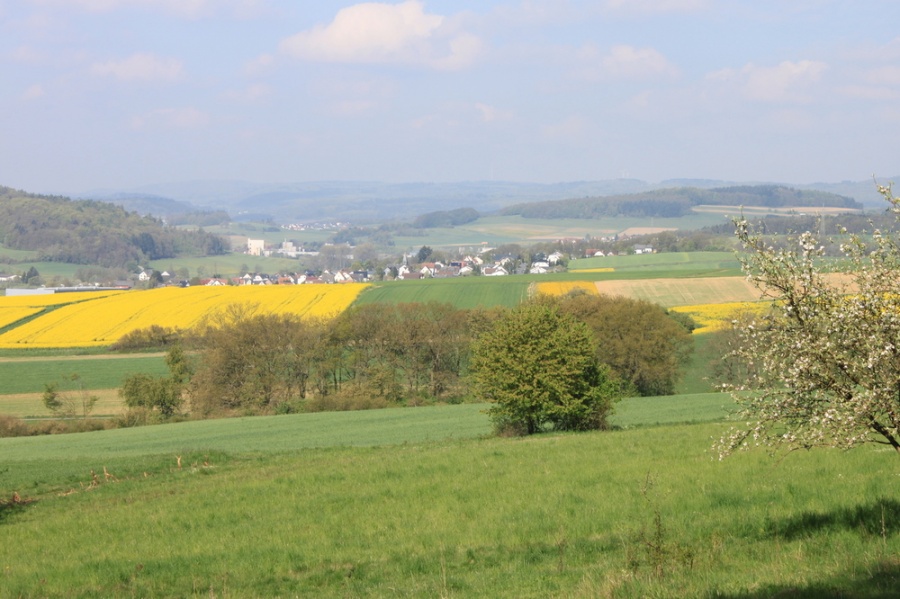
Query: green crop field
x,y
690,261
468,292
425,505
29,375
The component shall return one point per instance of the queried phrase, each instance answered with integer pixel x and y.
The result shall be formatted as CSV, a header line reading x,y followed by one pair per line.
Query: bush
x,y
153,337
10,426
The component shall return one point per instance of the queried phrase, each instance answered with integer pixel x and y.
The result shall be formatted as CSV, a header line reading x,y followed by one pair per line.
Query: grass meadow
x,y
419,502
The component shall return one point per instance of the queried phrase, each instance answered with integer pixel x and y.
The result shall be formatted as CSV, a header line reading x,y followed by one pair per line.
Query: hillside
x,y
679,201
60,229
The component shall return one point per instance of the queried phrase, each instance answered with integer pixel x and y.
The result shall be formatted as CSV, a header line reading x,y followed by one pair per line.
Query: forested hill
x,y
91,232
679,202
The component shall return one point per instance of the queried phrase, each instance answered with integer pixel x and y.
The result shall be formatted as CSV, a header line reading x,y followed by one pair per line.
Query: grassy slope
x,y
553,515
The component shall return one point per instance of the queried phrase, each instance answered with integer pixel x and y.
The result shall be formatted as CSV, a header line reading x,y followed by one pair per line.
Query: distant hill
x,y
676,202
366,202
92,232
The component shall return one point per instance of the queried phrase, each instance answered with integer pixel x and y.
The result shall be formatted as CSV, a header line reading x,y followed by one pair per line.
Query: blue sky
x,y
122,93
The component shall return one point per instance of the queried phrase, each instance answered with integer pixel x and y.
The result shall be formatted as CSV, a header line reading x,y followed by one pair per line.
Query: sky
x,y
118,94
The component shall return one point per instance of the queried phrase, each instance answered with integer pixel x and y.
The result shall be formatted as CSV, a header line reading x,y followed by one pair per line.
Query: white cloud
x,y
490,114
785,82
33,92
628,61
171,118
656,6
376,32
569,129
26,55
190,9
141,67
619,62
251,94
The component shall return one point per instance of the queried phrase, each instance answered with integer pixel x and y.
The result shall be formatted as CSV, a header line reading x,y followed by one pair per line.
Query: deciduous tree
x,y
825,362
537,365
637,339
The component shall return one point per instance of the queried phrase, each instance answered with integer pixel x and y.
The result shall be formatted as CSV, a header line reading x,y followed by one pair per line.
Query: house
x,y
256,247
5,278
447,272
343,276
145,275
554,258
643,249
494,271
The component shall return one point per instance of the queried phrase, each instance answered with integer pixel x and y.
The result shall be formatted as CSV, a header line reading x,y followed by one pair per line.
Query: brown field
x,y
27,405
683,292
759,210
632,231
688,292
80,357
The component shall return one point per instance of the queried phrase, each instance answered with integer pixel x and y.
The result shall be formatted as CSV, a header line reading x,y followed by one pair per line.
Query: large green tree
x,y
824,363
642,343
537,366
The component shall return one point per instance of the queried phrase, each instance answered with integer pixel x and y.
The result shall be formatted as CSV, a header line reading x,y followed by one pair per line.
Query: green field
x,y
468,292
27,375
681,261
424,505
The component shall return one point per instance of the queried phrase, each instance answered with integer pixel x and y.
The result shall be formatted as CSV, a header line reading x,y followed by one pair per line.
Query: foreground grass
x,y
642,512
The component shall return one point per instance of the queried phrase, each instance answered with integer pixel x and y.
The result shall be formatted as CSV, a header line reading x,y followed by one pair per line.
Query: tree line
x,y
248,361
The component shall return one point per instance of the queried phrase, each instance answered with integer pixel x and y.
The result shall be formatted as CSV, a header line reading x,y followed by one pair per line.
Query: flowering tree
x,y
825,361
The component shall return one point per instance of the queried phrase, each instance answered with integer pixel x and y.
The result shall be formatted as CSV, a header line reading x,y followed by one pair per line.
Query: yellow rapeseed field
x,y
104,320
564,287
52,299
715,317
605,269
14,313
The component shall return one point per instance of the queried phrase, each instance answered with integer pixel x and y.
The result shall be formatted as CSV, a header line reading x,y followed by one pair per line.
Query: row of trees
x,y
250,361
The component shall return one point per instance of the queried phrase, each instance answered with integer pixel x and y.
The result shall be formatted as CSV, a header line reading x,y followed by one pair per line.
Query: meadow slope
x,y
643,512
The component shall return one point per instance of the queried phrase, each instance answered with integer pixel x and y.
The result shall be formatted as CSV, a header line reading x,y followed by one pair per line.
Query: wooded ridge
x,y
675,202
92,232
